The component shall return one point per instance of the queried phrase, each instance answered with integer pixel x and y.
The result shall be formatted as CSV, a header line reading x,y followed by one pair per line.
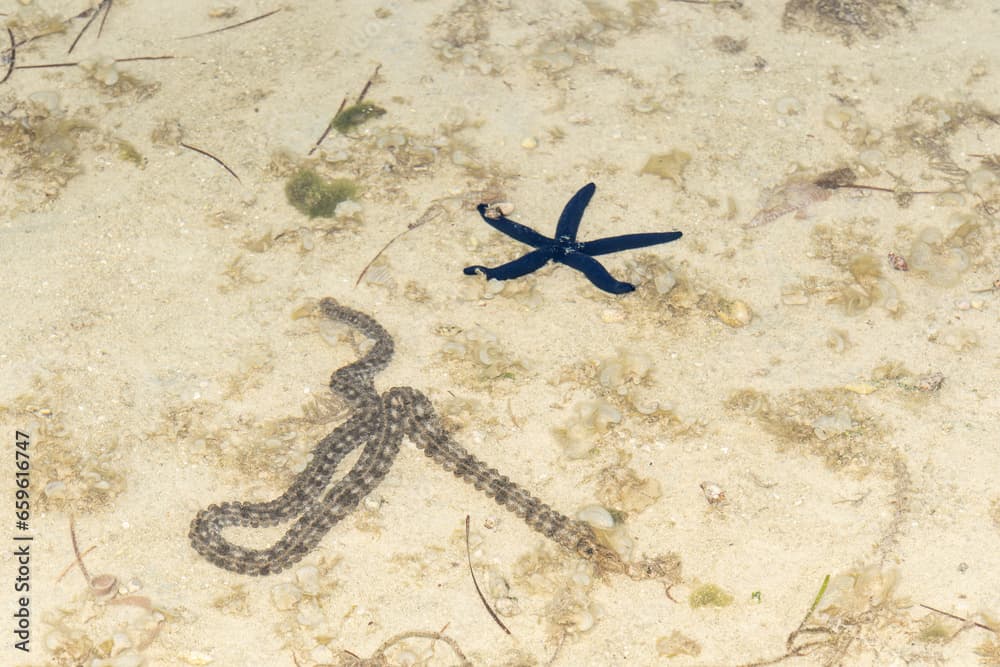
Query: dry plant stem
x,y
209,155
959,618
76,551
482,598
430,214
343,103
74,64
104,19
329,127
379,656
368,84
877,188
12,57
93,17
235,25
69,567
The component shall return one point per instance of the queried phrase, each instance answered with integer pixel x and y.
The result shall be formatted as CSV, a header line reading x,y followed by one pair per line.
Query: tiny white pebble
x,y
529,143
597,517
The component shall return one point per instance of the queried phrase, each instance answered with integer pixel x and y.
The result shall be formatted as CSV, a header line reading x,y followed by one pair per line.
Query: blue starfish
x,y
564,248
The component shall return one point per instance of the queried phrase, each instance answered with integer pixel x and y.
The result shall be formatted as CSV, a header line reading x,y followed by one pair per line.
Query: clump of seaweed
x,y
483,348
589,420
622,488
943,259
566,587
852,606
81,476
316,196
866,286
355,115
42,144
824,422
847,19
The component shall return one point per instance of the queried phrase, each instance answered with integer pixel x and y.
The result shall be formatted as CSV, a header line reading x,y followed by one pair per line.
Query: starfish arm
x,y
569,221
521,266
626,242
515,230
596,273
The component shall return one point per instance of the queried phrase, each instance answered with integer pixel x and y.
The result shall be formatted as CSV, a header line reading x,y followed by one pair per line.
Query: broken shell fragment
x,y
713,492
735,314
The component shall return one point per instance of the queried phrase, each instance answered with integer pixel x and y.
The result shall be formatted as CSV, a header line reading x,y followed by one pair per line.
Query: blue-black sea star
x,y
564,248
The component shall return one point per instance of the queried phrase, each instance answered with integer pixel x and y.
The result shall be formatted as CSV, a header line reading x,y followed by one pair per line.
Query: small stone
x,y
529,143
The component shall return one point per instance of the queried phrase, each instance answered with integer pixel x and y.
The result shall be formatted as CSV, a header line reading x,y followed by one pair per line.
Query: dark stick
x,y
13,57
138,58
328,128
117,60
426,217
86,26
76,550
468,555
368,84
104,19
957,618
230,27
209,155
47,65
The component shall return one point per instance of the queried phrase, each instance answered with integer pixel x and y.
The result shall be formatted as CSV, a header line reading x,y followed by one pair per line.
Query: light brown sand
x,y
149,347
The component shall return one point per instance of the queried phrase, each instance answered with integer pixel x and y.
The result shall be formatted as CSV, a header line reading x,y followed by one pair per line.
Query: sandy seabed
x,y
778,403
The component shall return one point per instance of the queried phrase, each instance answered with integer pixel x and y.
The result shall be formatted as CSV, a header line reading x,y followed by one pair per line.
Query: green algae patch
x,y
355,115
315,196
709,595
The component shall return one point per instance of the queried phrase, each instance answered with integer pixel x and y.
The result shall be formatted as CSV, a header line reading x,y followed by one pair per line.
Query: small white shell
x,y
713,492
596,516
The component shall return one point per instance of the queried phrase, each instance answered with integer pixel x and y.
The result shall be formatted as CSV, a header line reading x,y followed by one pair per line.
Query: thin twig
x,y
877,188
47,65
209,155
76,550
104,19
361,97
73,564
431,213
368,84
86,26
138,58
74,64
959,618
13,56
235,25
812,608
329,127
482,598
